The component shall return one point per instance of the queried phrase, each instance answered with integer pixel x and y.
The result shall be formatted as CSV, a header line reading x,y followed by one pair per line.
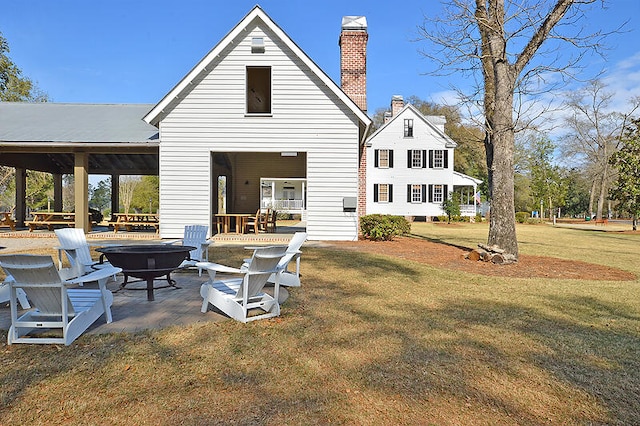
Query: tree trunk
x,y
592,195
502,221
603,192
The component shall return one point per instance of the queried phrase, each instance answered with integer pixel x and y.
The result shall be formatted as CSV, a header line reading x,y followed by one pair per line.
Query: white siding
x,y
306,117
392,137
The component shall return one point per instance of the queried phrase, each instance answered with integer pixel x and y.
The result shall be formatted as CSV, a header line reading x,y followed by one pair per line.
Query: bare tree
x,y
128,186
496,42
594,135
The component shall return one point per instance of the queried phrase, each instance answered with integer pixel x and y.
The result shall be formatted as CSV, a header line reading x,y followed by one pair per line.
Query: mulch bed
x,y
452,257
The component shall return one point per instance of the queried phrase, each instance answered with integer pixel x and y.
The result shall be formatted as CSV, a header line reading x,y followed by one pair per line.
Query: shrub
x,y
379,227
522,217
478,217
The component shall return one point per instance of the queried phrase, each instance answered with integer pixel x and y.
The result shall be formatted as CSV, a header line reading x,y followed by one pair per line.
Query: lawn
x,y
368,339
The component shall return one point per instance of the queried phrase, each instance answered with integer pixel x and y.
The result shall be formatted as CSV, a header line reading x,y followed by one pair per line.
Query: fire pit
x,y
147,262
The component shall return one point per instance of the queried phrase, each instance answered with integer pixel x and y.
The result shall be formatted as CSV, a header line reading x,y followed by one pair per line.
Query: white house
x,y
259,117
409,168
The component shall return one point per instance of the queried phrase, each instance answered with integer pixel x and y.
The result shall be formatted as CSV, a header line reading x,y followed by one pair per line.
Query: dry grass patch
x,y
368,339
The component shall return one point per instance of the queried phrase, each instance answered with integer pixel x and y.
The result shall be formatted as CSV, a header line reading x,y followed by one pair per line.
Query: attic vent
x,y
257,45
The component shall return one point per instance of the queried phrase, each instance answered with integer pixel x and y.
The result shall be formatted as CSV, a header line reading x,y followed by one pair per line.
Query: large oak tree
x,y
500,42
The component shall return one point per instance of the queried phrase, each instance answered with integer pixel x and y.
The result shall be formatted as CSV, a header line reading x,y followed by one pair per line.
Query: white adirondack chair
x,y
194,236
288,278
70,311
241,295
5,293
74,244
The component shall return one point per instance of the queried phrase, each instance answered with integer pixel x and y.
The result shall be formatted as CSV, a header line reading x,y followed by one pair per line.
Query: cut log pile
x,y
493,254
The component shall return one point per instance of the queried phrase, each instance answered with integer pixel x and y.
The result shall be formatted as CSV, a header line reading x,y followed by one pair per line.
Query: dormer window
x,y
258,90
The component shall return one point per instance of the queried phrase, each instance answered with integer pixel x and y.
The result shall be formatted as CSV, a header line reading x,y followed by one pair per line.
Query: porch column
x,y
115,194
57,192
81,190
21,195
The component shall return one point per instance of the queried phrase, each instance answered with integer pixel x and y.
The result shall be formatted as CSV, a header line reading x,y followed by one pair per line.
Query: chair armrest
x,y
97,275
218,268
172,242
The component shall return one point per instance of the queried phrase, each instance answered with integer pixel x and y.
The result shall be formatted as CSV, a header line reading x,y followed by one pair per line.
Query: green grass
x,y
368,339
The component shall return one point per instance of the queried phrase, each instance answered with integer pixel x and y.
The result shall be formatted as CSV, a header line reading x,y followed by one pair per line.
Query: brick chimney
x,y
353,59
397,103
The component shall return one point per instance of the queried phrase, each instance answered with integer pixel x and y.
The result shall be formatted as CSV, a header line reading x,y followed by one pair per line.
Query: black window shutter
x,y
391,193
431,193
375,189
391,159
431,159
408,193
424,159
446,158
409,159
424,193
375,161
445,193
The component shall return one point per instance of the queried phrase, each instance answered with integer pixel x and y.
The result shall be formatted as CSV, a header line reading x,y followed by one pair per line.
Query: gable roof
x,y
449,143
161,109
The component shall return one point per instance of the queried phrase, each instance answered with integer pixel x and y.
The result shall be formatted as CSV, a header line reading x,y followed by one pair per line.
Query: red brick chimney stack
x,y
397,103
353,59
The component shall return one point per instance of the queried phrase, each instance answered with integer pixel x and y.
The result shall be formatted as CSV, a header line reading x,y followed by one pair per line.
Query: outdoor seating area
x,y
263,220
37,290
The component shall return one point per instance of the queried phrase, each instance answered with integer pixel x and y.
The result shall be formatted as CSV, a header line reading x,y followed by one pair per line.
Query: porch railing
x,y
283,205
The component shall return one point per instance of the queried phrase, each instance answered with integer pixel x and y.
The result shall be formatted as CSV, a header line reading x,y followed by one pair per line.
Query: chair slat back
x,y
39,278
263,263
75,238
195,235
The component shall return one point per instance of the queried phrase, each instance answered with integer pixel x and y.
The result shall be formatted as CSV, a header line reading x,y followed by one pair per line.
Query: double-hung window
x,y
437,193
416,159
382,193
416,193
438,159
408,128
383,158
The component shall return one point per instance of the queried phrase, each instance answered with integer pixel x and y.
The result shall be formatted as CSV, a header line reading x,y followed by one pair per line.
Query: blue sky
x,y
128,51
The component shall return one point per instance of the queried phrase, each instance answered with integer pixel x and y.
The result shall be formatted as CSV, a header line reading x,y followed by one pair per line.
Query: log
x,y
485,256
473,255
492,249
497,258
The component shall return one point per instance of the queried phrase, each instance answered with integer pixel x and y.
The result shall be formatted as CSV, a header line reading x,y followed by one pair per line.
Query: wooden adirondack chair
x,y
74,244
195,236
241,295
287,278
69,311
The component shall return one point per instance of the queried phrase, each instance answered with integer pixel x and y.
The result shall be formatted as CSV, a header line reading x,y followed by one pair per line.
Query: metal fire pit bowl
x,y
147,262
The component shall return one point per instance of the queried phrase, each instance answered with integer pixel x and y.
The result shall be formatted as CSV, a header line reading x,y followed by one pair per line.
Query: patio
x,y
131,311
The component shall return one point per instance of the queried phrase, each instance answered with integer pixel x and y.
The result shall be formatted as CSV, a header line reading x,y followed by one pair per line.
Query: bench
x,y
51,219
134,221
6,221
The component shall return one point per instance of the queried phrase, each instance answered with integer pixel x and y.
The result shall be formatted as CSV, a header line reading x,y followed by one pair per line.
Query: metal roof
x,y
75,123
45,137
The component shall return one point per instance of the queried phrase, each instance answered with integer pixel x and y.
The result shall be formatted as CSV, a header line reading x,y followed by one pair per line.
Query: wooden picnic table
x,y
224,220
6,221
51,219
130,221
